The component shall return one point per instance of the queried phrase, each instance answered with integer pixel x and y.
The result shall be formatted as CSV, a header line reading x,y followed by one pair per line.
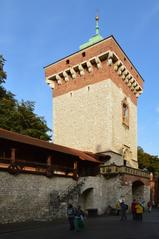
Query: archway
x,y
138,190
86,199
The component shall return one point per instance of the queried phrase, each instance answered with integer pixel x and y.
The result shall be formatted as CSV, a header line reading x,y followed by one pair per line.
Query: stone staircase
x,y
71,189
60,199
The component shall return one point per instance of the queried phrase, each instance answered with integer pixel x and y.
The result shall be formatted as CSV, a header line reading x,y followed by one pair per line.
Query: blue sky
x,y
35,33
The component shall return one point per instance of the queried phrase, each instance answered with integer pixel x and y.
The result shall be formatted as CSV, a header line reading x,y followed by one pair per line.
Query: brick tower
x,y
95,92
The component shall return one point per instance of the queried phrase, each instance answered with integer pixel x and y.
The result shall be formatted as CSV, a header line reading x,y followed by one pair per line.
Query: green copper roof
x,y
94,39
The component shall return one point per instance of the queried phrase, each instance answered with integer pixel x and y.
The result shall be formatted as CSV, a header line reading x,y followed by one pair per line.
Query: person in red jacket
x,y
133,209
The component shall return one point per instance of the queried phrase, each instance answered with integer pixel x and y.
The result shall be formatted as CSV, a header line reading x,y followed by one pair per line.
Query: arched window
x,y
125,113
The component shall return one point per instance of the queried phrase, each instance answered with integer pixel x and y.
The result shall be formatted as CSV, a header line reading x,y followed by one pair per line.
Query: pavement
x,y
104,227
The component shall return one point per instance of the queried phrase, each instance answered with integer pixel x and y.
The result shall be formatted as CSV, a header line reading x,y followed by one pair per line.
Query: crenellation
x,y
125,73
98,62
81,69
110,57
50,83
65,75
73,73
58,79
118,67
89,66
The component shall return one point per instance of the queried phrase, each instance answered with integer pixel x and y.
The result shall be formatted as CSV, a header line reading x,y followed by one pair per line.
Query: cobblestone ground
x,y
109,227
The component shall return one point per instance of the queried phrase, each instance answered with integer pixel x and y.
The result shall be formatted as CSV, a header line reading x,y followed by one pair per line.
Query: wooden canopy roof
x,y
27,140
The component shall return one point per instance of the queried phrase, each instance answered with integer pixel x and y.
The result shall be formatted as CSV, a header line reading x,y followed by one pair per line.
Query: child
x,y
79,218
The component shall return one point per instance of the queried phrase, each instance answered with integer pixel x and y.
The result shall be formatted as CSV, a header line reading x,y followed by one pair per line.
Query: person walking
x,y
117,206
123,209
71,216
79,219
133,209
139,211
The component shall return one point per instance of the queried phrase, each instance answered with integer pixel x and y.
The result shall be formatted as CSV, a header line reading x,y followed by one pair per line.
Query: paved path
x,y
97,228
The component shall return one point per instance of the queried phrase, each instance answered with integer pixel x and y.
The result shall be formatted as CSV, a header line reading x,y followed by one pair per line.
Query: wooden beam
x,y
49,171
13,158
49,162
75,175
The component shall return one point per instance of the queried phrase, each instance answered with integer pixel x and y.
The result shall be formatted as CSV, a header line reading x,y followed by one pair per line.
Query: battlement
x,y
91,65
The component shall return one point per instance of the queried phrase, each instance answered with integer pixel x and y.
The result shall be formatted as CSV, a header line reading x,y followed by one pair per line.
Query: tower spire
x,y
94,39
97,25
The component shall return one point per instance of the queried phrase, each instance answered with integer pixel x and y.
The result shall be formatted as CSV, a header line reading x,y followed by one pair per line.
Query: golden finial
x,y
97,18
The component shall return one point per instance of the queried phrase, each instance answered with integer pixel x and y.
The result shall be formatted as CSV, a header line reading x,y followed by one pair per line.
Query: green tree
x,y
19,116
148,161
3,74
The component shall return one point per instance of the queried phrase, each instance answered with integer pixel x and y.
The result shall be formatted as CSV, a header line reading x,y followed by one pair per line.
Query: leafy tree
x,y
147,161
3,74
19,116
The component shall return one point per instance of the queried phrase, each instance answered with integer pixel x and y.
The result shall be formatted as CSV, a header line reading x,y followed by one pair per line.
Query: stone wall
x,y
31,197
88,106
90,119
124,135
107,191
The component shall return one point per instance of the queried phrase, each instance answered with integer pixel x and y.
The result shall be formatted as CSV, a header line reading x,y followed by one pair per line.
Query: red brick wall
x,y
98,74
